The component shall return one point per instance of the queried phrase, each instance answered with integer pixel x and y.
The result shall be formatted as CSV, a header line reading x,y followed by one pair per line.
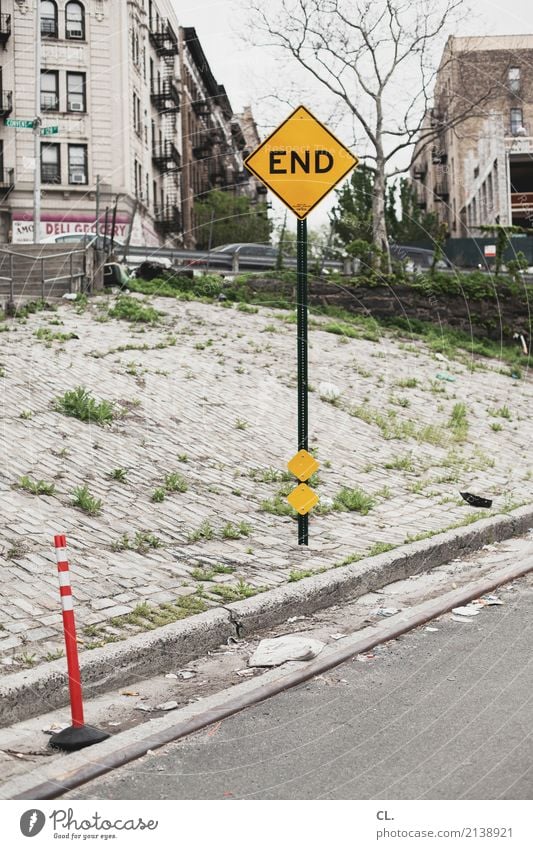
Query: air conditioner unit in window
x,y
77,178
72,32
75,106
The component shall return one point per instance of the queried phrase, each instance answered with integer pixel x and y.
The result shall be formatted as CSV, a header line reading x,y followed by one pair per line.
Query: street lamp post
x,y
37,129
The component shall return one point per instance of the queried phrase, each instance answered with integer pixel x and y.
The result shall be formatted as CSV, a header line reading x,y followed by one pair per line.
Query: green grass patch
x,y
353,500
36,487
175,482
236,592
44,334
83,499
232,531
204,531
458,422
299,574
119,474
277,506
79,404
401,464
131,309
380,548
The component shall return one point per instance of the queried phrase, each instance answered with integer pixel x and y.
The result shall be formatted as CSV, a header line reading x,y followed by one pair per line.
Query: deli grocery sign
x,y
59,225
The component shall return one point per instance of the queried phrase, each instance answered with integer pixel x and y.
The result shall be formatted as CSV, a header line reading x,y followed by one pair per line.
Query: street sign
x,y
301,162
303,465
303,499
49,131
19,123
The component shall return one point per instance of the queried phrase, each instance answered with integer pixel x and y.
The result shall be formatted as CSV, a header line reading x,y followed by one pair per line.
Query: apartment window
x,y
75,21
50,163
76,99
48,19
77,164
513,80
517,122
135,47
137,125
49,91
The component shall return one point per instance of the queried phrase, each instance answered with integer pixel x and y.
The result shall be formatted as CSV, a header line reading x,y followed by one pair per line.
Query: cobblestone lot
x,y
209,393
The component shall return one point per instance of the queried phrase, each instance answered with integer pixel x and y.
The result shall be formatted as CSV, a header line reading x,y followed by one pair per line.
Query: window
x,y
516,122
77,164
48,19
513,80
137,125
76,100
49,91
74,21
50,163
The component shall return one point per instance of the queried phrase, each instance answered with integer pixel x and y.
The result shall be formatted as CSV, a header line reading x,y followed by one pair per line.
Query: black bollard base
x,y
74,738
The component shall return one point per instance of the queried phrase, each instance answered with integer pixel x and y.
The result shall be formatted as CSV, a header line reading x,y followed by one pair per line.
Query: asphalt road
x,y
443,714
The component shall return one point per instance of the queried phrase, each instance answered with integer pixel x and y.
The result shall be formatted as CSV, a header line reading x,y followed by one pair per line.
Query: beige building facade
x,y
479,170
112,81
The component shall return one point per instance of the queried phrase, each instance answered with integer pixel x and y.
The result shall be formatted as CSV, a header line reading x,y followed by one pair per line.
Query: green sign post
x,y
49,131
301,161
303,414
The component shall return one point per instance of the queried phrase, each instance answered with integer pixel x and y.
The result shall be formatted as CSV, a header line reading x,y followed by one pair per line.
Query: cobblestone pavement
x,y
209,393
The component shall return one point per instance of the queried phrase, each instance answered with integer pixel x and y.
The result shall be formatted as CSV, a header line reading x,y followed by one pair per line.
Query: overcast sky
x,y
251,75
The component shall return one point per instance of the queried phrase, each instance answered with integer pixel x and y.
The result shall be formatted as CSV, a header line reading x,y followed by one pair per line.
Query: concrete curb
x,y
30,692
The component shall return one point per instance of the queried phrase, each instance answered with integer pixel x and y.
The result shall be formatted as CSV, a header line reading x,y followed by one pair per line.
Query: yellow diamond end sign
x,y
303,465
301,162
303,499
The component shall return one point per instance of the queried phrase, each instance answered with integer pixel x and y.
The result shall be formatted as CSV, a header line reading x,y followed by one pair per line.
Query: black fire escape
x,y
166,98
165,40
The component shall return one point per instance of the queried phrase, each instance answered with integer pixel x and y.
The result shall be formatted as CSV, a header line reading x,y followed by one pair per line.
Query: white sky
x,y
251,75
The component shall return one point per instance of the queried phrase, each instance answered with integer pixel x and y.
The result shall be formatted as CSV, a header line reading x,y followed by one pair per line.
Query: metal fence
x,y
45,272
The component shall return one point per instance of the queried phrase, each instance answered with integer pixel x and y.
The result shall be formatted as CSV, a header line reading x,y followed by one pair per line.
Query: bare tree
x,y
376,57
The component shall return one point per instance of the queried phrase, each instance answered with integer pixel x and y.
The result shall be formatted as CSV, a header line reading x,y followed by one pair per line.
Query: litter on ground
x,y
279,650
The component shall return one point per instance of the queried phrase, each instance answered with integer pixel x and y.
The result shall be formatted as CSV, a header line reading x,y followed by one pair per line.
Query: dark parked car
x,y
418,259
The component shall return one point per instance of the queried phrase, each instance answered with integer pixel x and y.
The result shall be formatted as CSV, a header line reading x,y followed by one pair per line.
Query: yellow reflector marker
x,y
303,499
303,465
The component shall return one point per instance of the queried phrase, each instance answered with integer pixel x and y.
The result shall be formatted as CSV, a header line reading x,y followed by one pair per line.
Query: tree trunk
x,y
379,224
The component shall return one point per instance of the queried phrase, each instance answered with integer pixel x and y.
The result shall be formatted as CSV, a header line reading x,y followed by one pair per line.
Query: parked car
x,y
418,259
132,259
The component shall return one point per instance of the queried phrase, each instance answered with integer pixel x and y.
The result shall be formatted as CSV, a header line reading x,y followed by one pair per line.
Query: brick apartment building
x,y
115,78
480,172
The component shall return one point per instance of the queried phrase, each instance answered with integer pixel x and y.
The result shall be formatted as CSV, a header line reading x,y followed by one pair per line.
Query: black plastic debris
x,y
476,500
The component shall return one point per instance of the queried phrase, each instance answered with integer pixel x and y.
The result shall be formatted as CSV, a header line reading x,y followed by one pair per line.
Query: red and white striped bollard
x,y
78,735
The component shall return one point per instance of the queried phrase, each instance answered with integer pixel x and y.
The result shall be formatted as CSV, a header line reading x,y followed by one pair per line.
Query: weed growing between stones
x,y
83,499
39,487
80,404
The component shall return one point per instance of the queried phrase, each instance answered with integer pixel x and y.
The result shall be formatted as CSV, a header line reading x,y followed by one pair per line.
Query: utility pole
x,y
97,220
37,129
